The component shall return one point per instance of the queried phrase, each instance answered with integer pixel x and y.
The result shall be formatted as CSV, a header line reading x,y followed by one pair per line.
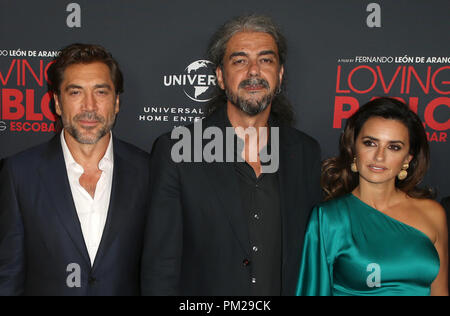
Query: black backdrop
x,y
341,54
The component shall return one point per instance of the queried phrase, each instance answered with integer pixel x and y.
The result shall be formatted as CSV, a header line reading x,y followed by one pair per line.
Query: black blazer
x,y
40,234
197,239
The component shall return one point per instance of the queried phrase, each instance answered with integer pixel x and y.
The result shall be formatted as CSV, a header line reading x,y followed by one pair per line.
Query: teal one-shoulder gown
x,y
353,249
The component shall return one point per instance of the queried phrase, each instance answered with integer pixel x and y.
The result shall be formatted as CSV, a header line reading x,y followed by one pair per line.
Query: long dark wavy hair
x,y
281,109
337,177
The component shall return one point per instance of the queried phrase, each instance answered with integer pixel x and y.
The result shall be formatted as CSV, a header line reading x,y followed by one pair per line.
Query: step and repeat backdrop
x,y
341,54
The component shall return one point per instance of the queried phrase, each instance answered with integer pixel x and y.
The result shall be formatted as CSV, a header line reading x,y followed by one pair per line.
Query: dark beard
x,y
80,137
249,106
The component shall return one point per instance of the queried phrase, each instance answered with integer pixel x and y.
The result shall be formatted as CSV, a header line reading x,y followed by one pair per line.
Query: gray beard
x,y
88,140
80,138
250,107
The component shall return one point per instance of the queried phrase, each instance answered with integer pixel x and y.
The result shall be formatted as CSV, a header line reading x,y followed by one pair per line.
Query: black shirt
x,y
261,202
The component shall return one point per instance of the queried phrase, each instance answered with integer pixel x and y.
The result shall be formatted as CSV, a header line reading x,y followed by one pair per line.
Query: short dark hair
x,y
338,179
83,54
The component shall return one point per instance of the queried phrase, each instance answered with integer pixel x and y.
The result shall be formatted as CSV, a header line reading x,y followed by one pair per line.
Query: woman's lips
x,y
376,168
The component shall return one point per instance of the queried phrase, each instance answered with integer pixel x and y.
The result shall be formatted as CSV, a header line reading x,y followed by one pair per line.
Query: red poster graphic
x,y
422,82
25,103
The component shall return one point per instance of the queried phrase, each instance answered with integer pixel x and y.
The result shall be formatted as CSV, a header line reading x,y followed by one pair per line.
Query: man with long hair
x,y
234,227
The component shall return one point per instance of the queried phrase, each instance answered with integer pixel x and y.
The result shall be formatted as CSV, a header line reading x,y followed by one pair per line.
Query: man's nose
x,y
254,69
89,103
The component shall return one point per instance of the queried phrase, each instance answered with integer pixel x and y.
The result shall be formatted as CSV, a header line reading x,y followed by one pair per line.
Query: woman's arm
x,y
439,218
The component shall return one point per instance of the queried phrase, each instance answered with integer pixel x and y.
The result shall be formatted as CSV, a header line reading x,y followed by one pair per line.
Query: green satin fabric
x,y
353,249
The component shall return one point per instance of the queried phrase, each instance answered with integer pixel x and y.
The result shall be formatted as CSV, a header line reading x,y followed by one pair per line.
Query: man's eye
x,y
74,92
267,60
239,61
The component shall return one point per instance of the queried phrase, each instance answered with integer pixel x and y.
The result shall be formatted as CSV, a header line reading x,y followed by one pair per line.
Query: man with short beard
x,y
72,210
229,228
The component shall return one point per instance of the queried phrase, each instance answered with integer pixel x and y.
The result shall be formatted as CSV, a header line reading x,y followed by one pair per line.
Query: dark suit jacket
x,y
40,234
197,239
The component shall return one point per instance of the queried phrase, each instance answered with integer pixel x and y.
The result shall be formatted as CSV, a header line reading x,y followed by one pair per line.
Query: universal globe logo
x,y
197,81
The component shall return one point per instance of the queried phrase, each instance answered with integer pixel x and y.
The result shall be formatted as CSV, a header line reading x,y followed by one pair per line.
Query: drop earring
x,y
403,173
353,166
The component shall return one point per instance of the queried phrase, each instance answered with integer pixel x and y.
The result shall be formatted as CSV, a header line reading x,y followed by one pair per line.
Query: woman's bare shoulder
x,y
433,211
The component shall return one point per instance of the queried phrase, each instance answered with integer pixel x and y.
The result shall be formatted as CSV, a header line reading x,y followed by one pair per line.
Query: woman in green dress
x,y
377,233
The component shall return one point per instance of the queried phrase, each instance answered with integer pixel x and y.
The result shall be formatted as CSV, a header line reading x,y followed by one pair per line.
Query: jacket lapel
x,y
54,176
123,176
291,193
223,180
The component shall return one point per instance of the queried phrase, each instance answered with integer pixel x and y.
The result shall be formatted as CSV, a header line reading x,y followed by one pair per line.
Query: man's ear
x,y
281,74
220,79
117,105
57,104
